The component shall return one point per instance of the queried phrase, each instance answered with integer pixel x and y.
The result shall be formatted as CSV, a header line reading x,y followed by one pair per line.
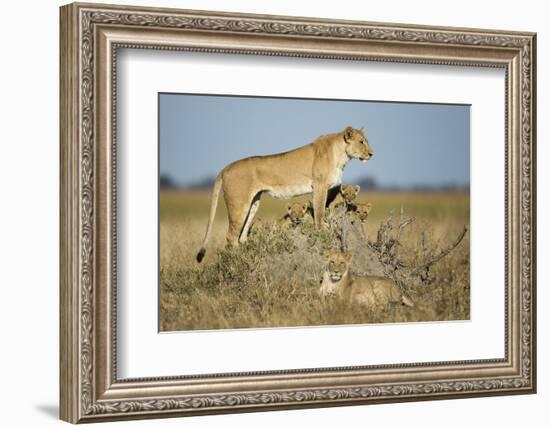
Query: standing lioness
x,y
314,168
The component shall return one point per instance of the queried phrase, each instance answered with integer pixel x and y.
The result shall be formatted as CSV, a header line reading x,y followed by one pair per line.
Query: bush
x,y
272,280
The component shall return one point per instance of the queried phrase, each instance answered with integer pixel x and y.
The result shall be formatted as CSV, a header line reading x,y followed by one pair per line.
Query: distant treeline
x,y
366,183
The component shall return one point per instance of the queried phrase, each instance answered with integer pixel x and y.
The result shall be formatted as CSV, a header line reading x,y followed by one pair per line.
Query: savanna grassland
x,y
273,279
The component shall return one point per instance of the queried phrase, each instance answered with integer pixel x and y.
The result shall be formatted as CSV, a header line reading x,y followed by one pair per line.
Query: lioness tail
x,y
213,206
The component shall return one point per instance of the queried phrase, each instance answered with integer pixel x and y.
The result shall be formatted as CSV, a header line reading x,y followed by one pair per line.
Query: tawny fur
x,y
360,212
372,291
314,168
346,196
297,213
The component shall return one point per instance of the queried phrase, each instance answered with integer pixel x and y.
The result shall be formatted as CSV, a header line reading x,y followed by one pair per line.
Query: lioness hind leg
x,y
238,207
237,216
234,231
251,213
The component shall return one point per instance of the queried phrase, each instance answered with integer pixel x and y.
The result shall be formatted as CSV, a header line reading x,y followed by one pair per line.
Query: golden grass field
x,y
273,279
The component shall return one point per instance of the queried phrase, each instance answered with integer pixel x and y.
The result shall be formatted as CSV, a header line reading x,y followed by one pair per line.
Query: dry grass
x,y
273,279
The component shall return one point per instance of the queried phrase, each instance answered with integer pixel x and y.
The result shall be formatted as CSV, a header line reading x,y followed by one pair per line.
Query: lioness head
x,y
337,263
362,210
297,211
349,192
357,144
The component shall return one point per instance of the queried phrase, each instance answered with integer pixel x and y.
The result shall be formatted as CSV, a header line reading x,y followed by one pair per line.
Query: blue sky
x,y
413,144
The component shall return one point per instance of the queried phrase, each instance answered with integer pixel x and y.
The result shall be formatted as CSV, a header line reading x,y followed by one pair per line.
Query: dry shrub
x,y
272,280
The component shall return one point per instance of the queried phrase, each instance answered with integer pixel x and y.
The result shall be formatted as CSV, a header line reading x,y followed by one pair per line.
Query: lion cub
x,y
361,211
298,213
374,291
345,197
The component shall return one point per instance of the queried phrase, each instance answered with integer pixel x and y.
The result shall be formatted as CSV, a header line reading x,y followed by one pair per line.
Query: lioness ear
x,y
348,133
348,255
327,253
362,130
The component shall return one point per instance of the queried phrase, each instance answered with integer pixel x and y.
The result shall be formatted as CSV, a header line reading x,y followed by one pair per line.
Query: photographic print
x,y
287,212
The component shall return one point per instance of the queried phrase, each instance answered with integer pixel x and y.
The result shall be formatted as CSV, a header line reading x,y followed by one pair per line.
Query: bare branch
x,y
388,242
430,261
403,224
425,252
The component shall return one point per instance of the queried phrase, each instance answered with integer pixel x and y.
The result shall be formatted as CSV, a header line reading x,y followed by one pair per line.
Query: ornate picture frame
x,y
90,37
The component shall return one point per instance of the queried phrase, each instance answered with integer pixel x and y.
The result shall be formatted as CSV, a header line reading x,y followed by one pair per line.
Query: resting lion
x,y
314,168
373,291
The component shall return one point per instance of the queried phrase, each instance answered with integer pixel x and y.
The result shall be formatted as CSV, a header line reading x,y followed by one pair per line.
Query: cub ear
x,y
305,206
289,207
356,188
348,133
327,253
348,255
362,130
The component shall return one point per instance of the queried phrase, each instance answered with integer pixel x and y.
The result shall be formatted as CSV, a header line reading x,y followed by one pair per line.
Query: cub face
x,y
349,192
297,212
357,144
362,211
337,264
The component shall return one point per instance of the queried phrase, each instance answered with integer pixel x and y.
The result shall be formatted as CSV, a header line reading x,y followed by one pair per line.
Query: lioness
x,y
297,213
346,196
374,291
313,168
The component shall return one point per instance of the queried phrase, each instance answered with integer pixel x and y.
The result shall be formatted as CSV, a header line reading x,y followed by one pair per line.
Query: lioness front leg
x,y
319,202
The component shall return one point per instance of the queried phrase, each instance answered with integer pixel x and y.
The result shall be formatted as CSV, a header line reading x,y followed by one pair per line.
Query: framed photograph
x,y
266,212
